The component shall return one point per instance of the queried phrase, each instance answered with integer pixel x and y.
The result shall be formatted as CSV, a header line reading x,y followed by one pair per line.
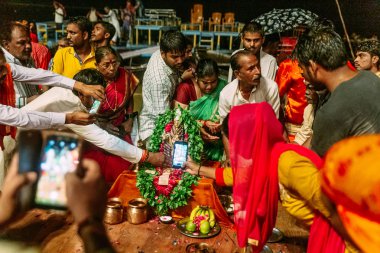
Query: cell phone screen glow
x,y
60,154
95,106
180,154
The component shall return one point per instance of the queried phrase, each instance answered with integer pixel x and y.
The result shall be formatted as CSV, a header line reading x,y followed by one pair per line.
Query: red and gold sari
x,y
118,103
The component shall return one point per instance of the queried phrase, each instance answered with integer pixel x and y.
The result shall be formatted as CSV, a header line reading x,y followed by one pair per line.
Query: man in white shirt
x,y
15,42
10,116
249,86
55,102
160,79
252,37
14,117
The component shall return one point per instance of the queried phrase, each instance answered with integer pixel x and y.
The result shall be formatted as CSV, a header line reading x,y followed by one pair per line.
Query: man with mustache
x,y
79,55
160,79
17,48
249,86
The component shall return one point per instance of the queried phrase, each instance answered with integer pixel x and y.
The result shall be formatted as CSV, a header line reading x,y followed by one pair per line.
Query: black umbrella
x,y
279,20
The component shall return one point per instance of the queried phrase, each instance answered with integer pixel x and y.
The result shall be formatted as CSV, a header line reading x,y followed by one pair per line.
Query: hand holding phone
x,y
95,107
86,194
180,149
60,155
51,154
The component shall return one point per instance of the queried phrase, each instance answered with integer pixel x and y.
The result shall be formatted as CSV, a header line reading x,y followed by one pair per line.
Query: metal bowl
x,y
276,236
199,247
266,249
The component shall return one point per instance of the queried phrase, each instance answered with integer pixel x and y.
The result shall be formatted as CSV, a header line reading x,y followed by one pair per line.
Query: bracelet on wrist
x,y
144,156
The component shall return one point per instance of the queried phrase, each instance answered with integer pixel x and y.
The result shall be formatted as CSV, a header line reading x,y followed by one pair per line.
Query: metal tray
x,y
181,225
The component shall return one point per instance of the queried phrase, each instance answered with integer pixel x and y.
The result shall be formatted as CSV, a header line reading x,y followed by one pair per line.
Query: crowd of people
x,y
280,132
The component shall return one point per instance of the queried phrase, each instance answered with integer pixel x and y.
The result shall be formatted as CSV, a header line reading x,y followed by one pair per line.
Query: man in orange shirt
x,y
292,89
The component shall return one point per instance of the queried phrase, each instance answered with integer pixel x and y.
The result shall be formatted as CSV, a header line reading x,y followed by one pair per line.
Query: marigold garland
x,y
176,194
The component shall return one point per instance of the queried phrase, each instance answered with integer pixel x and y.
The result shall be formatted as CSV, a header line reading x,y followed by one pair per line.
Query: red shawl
x,y
7,97
256,143
253,131
119,95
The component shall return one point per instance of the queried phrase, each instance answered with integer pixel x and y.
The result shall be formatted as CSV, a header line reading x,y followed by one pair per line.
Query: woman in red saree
x,y
116,112
265,167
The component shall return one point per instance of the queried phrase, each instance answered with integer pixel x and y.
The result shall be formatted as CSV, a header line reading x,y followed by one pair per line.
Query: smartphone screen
x,y
179,154
60,154
95,107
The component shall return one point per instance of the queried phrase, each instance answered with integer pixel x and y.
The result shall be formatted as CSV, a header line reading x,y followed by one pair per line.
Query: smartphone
x,y
29,148
179,154
60,154
95,107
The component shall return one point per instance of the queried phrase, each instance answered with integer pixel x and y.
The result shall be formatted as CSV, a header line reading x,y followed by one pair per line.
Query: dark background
x,y
361,16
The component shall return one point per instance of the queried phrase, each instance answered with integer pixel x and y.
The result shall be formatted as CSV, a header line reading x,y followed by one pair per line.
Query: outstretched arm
x,y
40,120
45,77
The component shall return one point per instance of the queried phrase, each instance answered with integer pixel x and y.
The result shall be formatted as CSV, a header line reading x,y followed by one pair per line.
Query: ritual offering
x,y
169,187
200,224
166,219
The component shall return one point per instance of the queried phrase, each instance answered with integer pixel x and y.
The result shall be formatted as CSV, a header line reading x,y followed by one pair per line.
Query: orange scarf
x,y
351,179
7,97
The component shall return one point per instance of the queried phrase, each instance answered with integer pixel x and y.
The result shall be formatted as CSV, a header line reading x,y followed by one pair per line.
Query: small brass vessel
x,y
199,248
137,211
114,211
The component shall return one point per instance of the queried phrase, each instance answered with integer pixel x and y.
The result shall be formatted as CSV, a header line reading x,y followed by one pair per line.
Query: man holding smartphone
x,y
93,133
15,117
86,198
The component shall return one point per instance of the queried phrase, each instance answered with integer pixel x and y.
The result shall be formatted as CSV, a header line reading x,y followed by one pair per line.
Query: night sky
x,y
361,16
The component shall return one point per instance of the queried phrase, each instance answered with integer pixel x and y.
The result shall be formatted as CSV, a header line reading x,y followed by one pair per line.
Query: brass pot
x,y
137,211
114,211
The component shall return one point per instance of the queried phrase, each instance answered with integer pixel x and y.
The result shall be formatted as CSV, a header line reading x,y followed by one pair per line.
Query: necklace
x,y
109,105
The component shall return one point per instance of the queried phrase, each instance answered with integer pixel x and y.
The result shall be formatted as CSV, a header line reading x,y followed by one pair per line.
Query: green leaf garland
x,y
145,176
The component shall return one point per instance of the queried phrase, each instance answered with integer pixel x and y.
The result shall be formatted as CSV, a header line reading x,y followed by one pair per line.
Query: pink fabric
x,y
323,238
41,55
255,170
253,131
